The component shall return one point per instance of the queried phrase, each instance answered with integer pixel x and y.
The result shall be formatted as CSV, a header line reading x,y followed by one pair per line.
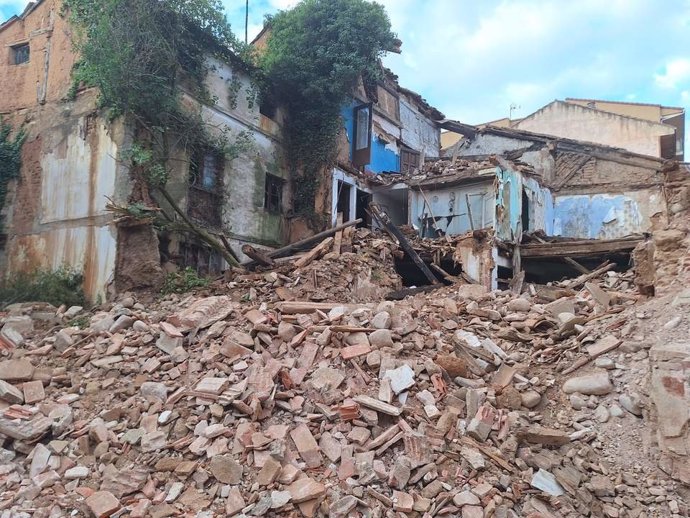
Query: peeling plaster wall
x,y
607,216
414,130
509,206
496,202
418,131
243,215
487,144
57,208
449,208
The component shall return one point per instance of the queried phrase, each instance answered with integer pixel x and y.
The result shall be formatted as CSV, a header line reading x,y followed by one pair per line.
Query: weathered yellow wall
x,y
55,212
46,77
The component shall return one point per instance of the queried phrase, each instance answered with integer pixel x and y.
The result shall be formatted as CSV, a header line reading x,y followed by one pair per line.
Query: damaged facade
x,y
57,211
494,185
596,198
388,130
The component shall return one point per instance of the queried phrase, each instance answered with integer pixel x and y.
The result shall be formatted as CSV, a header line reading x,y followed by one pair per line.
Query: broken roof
x,y
561,143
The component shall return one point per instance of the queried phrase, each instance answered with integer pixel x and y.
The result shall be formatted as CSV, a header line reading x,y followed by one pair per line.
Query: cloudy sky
x,y
474,59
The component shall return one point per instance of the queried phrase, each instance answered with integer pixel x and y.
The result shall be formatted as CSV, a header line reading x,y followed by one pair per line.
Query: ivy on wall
x,y
10,160
142,55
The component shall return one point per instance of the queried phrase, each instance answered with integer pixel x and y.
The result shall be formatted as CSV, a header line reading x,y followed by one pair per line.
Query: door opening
x,y
363,201
343,206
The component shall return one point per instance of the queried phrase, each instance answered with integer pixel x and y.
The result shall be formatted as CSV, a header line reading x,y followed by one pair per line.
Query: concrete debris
x,y
317,399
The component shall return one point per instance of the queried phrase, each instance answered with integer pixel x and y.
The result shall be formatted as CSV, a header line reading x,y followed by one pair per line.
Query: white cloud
x,y
474,59
282,4
677,74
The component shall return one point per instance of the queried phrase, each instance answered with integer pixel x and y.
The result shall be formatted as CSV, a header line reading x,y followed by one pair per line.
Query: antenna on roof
x,y
246,22
513,107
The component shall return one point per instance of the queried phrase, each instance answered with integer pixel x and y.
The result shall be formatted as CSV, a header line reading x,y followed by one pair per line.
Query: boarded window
x,y
205,187
388,103
409,161
361,153
273,194
19,54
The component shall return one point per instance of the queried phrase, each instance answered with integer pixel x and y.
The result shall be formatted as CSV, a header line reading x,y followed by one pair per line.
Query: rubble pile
x,y
362,270
457,402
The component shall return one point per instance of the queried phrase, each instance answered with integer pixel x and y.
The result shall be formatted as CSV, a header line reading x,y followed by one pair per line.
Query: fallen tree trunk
x,y
203,235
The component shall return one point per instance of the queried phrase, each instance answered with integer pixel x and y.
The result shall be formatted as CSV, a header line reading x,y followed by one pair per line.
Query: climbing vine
x,y
10,160
315,54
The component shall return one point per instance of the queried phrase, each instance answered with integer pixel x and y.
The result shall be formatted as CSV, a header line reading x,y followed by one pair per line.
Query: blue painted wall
x,y
598,216
382,159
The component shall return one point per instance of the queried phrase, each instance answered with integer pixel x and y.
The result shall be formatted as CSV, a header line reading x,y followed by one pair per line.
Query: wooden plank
x,y
582,279
377,405
261,258
295,307
580,248
338,241
572,262
303,243
314,253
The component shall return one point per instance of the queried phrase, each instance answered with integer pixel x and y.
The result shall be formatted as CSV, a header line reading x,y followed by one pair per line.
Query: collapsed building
x,y
554,207
517,204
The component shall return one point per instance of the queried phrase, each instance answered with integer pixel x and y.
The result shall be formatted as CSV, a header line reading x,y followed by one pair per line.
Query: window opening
x,y
525,211
205,187
361,153
273,194
409,161
20,54
343,205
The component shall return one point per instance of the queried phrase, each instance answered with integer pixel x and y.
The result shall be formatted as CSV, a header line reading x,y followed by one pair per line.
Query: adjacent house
x,y
59,211
66,208
670,115
596,199
644,129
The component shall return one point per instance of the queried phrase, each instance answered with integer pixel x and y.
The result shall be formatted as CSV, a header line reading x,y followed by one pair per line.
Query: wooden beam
x,y
287,250
572,262
394,231
337,243
295,307
582,279
314,253
256,255
579,248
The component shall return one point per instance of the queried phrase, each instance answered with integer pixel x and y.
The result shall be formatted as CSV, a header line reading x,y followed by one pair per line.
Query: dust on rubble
x,y
302,393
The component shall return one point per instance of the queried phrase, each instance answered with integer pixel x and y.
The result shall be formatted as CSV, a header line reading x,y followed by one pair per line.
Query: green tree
x,y
315,54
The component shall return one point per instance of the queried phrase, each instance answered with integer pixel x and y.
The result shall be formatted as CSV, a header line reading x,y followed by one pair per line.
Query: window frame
x,y
204,202
407,166
361,156
15,52
276,184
